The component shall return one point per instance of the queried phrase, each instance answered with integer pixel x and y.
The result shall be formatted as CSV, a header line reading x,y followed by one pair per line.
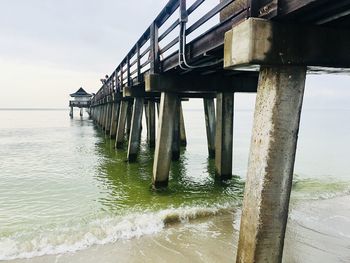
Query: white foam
x,y
109,229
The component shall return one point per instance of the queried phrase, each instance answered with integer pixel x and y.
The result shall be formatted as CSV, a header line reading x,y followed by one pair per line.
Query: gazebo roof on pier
x,y
80,93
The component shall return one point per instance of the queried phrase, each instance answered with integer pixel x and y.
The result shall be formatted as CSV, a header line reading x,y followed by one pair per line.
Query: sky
x,y
50,48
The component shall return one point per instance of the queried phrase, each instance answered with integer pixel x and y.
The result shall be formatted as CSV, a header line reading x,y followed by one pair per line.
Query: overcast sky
x,y
49,48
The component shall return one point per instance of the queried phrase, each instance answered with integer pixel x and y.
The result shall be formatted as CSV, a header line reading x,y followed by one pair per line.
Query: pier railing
x,y
160,47
164,45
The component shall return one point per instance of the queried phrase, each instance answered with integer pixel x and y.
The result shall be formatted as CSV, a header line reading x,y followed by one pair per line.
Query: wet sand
x,y
318,231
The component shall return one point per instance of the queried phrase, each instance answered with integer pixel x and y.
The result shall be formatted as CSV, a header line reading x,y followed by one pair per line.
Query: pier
x,y
266,47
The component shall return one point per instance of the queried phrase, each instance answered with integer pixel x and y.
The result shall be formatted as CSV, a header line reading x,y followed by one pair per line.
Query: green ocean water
x,y
64,188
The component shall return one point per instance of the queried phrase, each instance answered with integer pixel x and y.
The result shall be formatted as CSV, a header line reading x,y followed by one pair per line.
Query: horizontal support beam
x,y
139,91
262,42
197,95
200,83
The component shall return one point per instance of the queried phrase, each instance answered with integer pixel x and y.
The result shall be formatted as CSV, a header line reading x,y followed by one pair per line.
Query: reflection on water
x,y
128,185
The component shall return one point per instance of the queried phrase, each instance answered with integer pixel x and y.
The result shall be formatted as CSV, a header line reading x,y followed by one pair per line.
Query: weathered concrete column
x,y
209,111
158,104
176,133
99,115
108,117
114,119
81,112
104,116
146,114
135,134
224,135
271,162
71,112
183,139
128,119
151,123
162,154
121,124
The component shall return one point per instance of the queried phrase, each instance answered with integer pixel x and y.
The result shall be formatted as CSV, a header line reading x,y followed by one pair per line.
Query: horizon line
x,y
35,108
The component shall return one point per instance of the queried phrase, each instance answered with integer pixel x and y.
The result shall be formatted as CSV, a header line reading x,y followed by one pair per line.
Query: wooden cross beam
x,y
200,83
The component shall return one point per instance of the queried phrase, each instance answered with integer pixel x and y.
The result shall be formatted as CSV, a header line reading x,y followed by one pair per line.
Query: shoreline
x,y
315,233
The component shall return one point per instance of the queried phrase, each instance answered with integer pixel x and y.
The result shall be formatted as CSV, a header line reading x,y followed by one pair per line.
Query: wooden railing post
x,y
121,77
128,70
117,81
154,49
138,59
253,8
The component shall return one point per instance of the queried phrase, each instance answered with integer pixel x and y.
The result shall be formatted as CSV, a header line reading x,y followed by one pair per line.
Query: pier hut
x,y
81,100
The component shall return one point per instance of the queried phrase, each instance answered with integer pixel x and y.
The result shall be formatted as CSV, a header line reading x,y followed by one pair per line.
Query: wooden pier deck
x,y
263,46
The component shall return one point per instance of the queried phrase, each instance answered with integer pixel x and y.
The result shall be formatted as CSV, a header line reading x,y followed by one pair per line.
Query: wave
x,y
317,189
109,229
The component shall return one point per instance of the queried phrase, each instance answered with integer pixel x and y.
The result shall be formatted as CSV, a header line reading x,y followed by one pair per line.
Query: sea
x,y
66,194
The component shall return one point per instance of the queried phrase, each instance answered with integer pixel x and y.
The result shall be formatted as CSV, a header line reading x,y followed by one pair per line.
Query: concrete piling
x,y
209,112
146,115
135,135
114,119
151,123
121,124
183,138
129,118
162,155
271,162
108,118
100,115
104,117
176,133
224,135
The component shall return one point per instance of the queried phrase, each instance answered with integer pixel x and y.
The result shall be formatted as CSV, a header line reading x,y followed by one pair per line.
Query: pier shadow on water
x,y
127,186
